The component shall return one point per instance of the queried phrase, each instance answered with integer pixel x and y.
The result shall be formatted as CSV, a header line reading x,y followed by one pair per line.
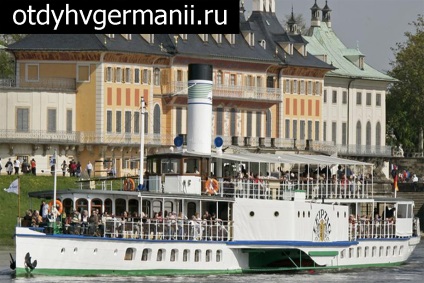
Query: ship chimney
x,y
199,116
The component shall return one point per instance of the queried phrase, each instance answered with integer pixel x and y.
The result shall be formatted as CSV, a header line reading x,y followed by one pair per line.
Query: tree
x,y
7,68
405,98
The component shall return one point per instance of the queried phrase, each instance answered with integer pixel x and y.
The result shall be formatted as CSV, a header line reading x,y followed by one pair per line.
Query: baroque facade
x,y
79,94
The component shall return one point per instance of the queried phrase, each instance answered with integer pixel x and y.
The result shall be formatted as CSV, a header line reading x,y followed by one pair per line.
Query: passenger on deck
x,y
84,222
36,220
93,222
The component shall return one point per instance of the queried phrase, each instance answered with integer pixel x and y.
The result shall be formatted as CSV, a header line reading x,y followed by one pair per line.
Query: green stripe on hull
x,y
20,272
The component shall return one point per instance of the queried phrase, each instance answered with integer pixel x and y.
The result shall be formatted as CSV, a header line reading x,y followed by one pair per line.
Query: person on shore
x,y
64,166
89,169
16,165
33,167
9,167
1,166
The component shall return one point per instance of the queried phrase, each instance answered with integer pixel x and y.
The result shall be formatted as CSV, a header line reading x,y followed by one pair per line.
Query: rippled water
x,y
411,271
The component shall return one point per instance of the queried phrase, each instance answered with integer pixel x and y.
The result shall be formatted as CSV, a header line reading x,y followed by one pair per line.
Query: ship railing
x,y
372,229
271,188
169,229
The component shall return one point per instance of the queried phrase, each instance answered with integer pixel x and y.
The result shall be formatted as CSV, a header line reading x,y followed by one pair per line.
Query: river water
x,y
411,271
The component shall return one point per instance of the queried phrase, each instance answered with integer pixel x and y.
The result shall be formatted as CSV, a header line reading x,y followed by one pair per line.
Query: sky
x,y
373,25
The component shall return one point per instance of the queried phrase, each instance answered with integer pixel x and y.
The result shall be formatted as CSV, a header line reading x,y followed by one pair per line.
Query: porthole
x,y
276,214
95,251
115,252
75,250
62,251
252,213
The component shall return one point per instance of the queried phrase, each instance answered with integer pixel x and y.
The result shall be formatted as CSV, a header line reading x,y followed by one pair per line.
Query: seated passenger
x,y
36,220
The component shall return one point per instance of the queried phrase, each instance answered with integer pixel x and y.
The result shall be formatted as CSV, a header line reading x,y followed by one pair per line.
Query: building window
x,y
287,129
287,86
309,87
127,122
270,81
32,73
258,124
249,124
219,121
232,79
378,134
358,98
378,99
109,74
334,132
317,88
136,75
69,121
51,121
358,133
302,130
295,129
309,130
118,75
109,121
344,98
324,131
317,130
146,76
136,122
118,122
368,99
233,122
22,120
295,86
368,134
268,124
219,78
334,97
83,74
156,79
302,87
128,75
156,120
325,96
344,133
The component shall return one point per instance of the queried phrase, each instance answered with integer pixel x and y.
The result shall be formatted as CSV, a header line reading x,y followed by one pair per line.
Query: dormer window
x,y
110,36
150,38
231,38
217,38
183,36
361,63
126,36
204,37
263,43
251,39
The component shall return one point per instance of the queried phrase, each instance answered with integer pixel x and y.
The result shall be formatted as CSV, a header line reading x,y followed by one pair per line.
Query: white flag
x,y
14,187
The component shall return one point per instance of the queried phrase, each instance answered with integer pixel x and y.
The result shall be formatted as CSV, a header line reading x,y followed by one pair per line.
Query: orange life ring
x,y
211,186
129,184
59,204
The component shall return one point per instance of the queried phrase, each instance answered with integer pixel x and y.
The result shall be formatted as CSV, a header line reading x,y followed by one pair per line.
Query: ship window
x,y
276,214
367,251
303,214
218,255
186,255
350,252
298,214
380,253
208,255
342,254
171,166
400,250
387,251
252,213
160,255
174,254
338,214
374,252
394,250
359,252
95,251
75,250
129,254
309,214
145,255
62,250
197,255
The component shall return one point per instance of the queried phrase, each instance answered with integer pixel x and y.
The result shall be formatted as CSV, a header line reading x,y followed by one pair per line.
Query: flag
x,y
14,187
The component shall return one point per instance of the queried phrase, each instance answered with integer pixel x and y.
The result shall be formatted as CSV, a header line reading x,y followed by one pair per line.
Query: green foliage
x,y
28,183
405,99
7,64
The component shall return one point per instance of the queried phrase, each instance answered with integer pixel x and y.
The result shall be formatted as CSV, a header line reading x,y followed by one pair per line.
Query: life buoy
x,y
59,206
129,184
211,186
